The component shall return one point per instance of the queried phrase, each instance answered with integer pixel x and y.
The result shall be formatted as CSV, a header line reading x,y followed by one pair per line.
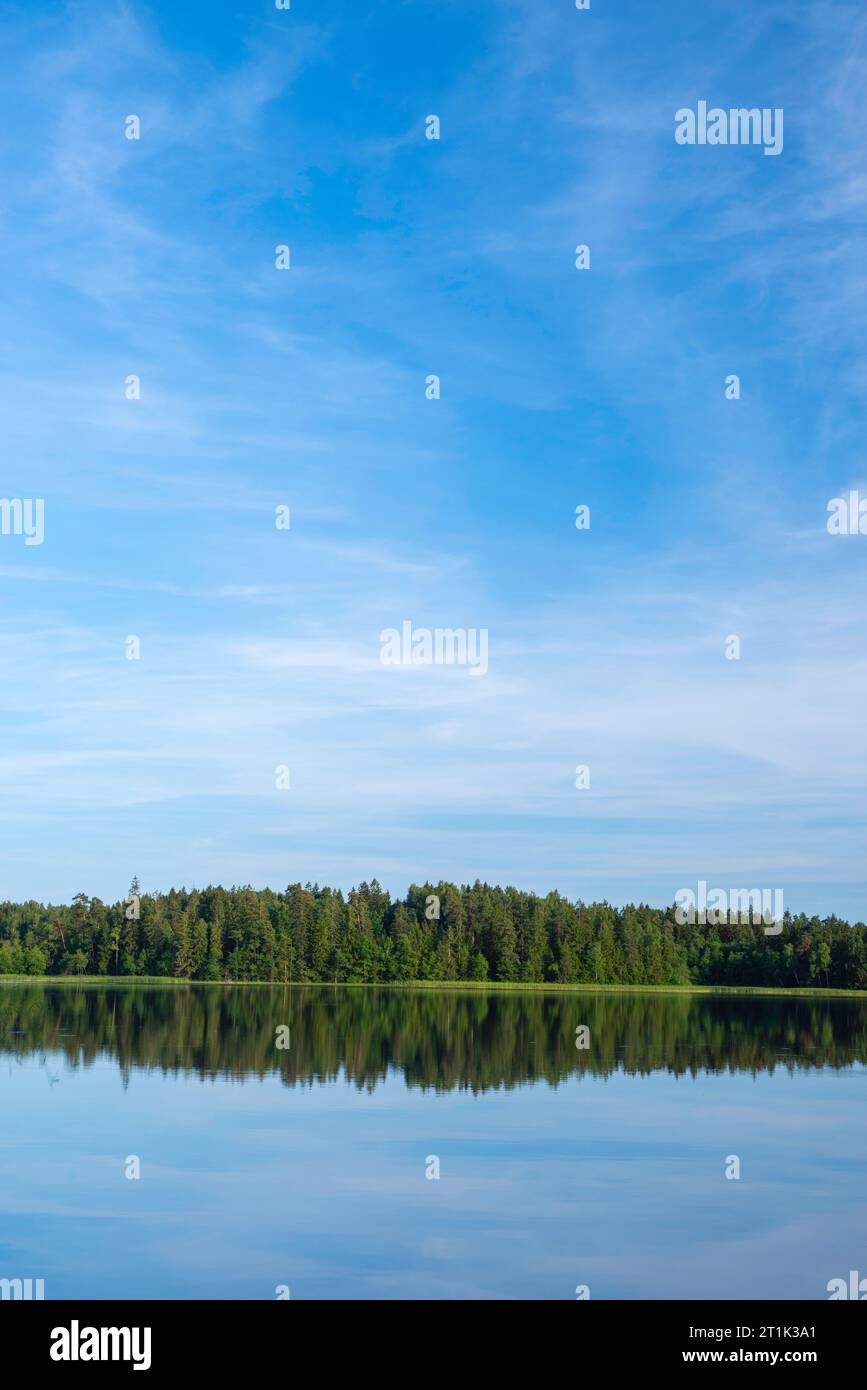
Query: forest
x,y
436,932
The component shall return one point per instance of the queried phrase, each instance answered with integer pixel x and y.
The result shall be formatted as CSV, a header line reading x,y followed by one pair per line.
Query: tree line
x,y
436,932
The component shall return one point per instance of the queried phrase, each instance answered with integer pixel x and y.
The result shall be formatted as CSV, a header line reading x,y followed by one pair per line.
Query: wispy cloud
x,y
410,258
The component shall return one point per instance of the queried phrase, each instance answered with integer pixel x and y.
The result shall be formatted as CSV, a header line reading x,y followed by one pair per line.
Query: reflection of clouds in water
x,y
614,1182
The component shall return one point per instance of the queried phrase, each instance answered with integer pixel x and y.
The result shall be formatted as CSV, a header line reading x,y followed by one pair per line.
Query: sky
x,y
307,388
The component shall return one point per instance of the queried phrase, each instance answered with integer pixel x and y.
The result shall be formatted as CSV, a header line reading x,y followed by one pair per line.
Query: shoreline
x,y
474,986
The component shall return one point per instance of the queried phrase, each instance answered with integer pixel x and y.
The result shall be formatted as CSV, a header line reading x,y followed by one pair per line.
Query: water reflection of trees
x,y
439,1039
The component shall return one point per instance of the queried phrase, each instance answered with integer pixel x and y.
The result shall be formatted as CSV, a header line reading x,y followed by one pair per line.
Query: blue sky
x,y
306,388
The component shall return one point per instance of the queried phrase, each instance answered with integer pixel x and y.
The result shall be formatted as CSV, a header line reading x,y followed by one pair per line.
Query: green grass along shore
x,y
485,986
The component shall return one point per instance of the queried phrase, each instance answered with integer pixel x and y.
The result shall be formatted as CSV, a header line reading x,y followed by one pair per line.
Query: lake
x,y
312,1166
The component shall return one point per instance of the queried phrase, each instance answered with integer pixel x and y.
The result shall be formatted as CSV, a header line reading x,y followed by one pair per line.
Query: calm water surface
x,y
306,1166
